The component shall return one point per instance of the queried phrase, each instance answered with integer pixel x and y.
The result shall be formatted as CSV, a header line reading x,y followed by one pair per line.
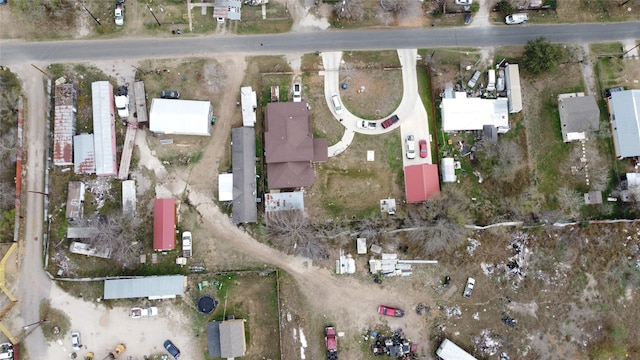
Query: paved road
x,y
15,51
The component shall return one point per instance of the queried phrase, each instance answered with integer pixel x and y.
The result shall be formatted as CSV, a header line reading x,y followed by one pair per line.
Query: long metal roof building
x,y
152,287
104,128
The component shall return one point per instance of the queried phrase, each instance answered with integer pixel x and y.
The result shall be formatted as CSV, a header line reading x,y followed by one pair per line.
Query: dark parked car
x,y
170,94
607,92
172,349
467,18
390,121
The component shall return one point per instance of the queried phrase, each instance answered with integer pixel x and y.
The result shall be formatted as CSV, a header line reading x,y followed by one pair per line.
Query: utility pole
x,y
154,15
94,18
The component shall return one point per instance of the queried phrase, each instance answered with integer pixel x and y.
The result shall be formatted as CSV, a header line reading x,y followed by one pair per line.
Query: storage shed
x,y
164,224
181,117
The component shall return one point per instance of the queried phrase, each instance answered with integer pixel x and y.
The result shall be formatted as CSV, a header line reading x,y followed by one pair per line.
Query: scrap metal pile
x,y
515,267
395,346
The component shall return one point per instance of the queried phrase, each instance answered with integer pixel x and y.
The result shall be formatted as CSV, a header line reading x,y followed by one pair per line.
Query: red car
x,y
389,311
390,121
423,148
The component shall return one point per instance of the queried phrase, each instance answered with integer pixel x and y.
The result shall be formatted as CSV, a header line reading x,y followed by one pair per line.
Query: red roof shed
x,y
421,182
164,224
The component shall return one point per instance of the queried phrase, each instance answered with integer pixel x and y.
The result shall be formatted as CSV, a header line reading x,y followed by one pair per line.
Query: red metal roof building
x,y
421,182
64,124
164,224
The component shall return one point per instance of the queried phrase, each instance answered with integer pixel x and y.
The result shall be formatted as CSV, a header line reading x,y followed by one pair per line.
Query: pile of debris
x,y
395,346
389,265
487,343
516,265
100,188
473,245
453,311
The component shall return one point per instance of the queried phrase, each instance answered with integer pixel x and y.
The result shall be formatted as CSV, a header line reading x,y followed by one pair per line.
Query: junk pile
x,y
389,265
516,265
473,245
394,346
487,343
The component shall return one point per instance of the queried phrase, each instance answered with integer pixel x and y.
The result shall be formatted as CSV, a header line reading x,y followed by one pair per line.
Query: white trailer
x,y
450,351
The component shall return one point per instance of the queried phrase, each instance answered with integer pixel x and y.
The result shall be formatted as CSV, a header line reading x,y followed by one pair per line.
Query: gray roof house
x,y
243,164
579,114
226,339
624,117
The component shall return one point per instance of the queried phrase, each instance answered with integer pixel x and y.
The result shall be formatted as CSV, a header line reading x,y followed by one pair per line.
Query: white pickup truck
x,y
364,124
122,101
138,312
468,289
187,245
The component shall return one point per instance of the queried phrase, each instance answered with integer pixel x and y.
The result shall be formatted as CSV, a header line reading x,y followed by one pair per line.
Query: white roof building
x,y
447,167
225,187
514,92
249,102
104,128
180,117
461,113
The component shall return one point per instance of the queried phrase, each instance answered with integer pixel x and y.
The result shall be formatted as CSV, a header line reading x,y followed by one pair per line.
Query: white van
x,y
491,80
514,19
335,100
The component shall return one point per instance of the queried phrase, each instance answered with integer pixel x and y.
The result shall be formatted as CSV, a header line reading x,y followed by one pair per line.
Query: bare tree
x,y
117,233
504,160
439,225
394,6
291,230
349,10
7,195
570,202
8,145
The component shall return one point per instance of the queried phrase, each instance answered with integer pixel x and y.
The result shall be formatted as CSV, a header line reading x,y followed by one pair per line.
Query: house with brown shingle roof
x,y
290,149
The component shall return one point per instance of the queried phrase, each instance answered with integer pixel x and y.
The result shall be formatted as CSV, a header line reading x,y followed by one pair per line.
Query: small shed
x,y
225,187
361,244
181,117
447,166
593,198
226,339
164,224
75,201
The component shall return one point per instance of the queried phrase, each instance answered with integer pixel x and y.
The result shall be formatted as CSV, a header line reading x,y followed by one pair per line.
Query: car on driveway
x,y
390,121
474,79
364,124
119,12
410,143
335,101
389,311
75,341
172,349
169,94
297,92
467,18
423,148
